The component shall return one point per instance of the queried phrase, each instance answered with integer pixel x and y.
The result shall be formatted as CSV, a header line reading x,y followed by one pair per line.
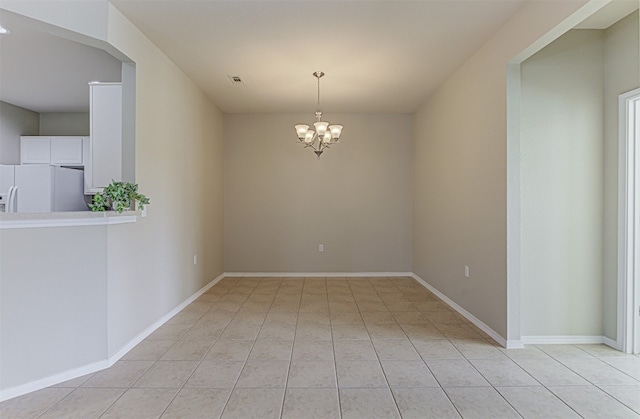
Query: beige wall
x,y
461,174
53,311
562,188
179,158
64,123
569,185
458,184
281,202
622,74
14,122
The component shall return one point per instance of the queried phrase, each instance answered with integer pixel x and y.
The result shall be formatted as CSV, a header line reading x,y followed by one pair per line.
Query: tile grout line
x,y
384,374
618,369
209,350
618,400
198,363
126,388
215,341
424,361
218,338
431,371
130,386
293,343
333,348
591,356
544,385
491,384
591,384
235,386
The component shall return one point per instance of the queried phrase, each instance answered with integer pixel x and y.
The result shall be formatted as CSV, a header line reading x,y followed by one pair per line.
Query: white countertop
x,y
65,219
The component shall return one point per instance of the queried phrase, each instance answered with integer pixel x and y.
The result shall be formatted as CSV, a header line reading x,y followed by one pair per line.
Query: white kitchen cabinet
x,y
35,150
103,159
66,151
59,151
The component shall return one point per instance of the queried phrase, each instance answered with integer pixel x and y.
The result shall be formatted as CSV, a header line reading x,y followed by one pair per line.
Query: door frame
x,y
628,218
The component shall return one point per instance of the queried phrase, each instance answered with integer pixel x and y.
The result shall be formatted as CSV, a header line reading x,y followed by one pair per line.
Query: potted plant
x,y
118,196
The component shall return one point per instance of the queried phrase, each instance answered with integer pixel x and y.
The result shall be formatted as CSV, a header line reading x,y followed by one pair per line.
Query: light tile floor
x,y
338,348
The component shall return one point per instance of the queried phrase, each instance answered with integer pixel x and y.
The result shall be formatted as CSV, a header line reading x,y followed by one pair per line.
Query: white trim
x,y
515,344
513,192
512,344
473,319
106,363
315,274
6,224
589,8
100,365
514,238
610,342
562,340
162,320
628,235
12,392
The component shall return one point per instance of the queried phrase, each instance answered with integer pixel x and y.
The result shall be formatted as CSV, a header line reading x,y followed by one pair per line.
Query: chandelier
x,y
324,135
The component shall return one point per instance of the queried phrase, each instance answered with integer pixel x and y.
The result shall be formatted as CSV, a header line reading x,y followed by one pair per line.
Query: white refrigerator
x,y
41,188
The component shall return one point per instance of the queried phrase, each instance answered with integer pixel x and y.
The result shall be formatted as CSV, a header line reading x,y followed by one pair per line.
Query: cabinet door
x,y
35,150
66,151
106,134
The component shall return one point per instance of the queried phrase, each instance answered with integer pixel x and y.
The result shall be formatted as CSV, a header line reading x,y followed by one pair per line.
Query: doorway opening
x,y
629,223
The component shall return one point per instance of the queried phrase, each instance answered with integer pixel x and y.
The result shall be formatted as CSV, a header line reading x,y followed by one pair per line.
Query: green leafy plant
x,y
119,196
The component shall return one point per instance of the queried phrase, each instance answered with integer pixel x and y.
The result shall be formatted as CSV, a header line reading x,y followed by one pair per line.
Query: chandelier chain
x,y
318,93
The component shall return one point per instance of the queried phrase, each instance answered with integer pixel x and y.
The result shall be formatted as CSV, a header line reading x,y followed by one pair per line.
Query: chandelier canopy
x,y
324,135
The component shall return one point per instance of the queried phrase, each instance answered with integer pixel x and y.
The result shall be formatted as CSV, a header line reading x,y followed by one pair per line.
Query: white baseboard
x,y
514,344
493,334
162,320
12,392
562,340
102,364
482,326
612,343
314,274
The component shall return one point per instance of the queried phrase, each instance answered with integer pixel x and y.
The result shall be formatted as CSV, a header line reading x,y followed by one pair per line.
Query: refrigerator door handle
x,y
7,205
11,201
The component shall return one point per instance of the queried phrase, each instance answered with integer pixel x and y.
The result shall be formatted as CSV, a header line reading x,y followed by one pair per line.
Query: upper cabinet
x,y
103,159
36,150
66,151
60,151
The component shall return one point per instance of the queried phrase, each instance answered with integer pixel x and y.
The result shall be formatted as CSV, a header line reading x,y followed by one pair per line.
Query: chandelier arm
x,y
311,145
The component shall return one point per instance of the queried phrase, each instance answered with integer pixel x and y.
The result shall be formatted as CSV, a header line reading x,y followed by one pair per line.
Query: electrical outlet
x,y
321,248
466,271
195,259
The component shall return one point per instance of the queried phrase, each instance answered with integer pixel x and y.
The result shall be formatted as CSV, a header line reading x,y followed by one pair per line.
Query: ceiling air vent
x,y
236,79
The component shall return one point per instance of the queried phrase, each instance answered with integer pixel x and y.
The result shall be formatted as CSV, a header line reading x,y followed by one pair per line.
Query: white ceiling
x,y
378,56
609,14
45,73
